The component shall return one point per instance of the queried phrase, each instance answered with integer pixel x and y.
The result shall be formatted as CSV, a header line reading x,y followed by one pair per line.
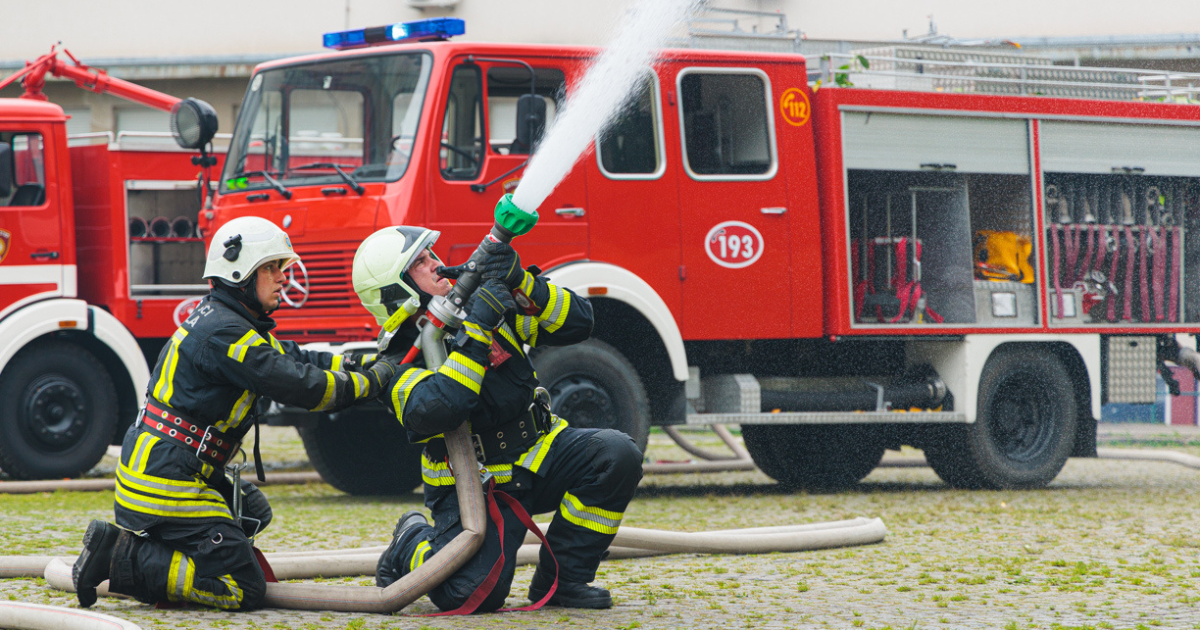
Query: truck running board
x,y
830,417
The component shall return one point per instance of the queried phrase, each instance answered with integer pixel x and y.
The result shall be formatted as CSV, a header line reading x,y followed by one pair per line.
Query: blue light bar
x,y
420,30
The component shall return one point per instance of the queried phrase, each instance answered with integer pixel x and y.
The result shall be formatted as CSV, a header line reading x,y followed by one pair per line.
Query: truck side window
x,y
505,85
462,129
725,123
25,164
631,145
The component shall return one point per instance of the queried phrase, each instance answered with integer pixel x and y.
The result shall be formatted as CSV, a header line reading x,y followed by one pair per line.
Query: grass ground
x,y
1110,544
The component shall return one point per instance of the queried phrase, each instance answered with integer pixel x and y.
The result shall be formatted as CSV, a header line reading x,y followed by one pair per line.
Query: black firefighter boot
x,y
568,594
387,570
91,568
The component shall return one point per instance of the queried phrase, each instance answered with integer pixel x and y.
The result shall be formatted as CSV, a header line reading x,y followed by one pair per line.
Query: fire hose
x,y
40,617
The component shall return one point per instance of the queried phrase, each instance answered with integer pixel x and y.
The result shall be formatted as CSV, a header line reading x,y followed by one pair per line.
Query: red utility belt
x,y
211,446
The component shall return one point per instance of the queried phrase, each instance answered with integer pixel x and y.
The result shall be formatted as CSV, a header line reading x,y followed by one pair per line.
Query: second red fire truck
x,y
966,254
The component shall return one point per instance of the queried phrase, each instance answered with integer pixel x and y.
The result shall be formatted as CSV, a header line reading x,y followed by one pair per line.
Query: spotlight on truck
x,y
193,123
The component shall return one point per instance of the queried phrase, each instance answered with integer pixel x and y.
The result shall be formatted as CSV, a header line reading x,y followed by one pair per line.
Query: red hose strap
x,y
1072,244
268,572
1143,279
1173,292
489,583
1131,246
1090,239
1054,268
1112,274
1160,271
531,526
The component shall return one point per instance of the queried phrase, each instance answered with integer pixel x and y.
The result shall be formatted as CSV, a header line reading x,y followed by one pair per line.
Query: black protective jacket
x,y
212,371
488,380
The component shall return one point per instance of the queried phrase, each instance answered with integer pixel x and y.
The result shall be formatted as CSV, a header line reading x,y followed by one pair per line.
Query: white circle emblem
x,y
734,244
184,309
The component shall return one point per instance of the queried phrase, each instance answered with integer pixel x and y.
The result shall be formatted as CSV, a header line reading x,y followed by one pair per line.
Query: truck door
x,y
479,160
733,201
31,253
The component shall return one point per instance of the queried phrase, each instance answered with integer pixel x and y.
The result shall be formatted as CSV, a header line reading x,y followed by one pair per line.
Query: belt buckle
x,y
477,442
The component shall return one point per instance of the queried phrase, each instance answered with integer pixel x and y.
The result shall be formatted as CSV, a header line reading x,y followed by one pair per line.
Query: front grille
x,y
330,289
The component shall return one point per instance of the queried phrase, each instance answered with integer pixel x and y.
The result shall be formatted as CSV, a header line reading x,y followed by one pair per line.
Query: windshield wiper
x,y
350,181
287,194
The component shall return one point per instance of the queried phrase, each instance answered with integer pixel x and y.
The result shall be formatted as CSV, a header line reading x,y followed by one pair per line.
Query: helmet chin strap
x,y
245,292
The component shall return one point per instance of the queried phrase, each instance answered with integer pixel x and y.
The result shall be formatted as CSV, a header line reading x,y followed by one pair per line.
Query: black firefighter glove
x,y
488,305
502,263
256,511
382,369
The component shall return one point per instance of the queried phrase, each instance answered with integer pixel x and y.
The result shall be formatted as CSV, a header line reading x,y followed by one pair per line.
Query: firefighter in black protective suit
x,y
586,476
196,522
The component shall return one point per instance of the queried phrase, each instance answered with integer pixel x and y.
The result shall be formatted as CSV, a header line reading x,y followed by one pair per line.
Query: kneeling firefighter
x,y
587,476
197,521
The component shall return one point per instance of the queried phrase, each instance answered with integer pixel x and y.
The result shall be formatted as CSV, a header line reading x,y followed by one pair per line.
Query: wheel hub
x,y
583,402
1023,418
55,412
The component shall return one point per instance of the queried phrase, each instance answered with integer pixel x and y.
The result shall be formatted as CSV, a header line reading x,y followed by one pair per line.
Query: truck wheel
x,y
363,450
58,412
1024,429
820,458
593,386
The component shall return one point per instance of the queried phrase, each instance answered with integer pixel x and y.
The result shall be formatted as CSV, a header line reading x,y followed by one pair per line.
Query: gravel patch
x,y
1109,544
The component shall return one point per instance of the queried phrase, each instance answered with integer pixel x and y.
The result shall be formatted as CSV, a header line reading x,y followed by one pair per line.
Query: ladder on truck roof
x,y
915,68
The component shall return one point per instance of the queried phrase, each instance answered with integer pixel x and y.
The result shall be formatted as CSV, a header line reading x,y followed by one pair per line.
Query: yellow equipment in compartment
x,y
1003,256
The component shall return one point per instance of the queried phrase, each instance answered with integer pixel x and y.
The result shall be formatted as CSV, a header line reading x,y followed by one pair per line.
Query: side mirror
x,y
6,169
193,123
531,123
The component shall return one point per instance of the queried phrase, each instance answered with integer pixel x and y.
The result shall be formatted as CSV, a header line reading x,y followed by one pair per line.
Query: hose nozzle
x,y
511,220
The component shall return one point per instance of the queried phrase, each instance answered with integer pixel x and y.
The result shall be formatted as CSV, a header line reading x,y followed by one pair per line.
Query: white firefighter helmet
x,y
380,263
243,245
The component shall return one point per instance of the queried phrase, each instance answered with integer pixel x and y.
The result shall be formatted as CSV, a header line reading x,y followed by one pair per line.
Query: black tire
x,y
363,451
58,411
593,386
819,458
1024,429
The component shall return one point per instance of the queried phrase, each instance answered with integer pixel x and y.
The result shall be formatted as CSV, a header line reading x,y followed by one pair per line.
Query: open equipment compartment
x,y
940,219
166,252
1121,201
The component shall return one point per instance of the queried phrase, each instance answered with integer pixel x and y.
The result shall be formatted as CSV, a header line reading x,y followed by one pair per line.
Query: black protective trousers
x,y
599,468
208,563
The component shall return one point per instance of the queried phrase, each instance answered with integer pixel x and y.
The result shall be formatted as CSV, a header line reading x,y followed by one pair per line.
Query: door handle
x,y
45,255
569,212
773,210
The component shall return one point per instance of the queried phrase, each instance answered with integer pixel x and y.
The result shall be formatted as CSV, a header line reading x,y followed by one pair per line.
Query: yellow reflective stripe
x,y
403,388
232,600
336,363
593,518
171,509
240,408
160,486
528,330
166,377
532,459
360,384
477,333
177,584
423,549
330,388
527,284
275,343
141,451
439,473
237,350
463,371
555,313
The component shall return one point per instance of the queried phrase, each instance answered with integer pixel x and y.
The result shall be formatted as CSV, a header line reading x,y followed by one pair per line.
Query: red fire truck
x,y
966,254
99,256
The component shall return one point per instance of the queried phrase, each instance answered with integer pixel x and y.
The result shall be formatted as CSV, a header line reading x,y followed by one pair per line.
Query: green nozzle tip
x,y
512,218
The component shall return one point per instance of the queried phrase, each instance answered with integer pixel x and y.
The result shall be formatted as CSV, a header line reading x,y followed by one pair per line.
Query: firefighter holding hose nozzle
x,y
176,481
586,476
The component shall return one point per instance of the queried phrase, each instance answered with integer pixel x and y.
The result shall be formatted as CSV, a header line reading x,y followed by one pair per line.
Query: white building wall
x,y
170,28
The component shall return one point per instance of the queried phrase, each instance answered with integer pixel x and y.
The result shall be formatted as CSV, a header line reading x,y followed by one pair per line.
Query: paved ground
x,y
1110,544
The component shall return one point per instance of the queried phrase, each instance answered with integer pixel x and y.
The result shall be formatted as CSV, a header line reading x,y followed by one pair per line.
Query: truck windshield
x,y
359,114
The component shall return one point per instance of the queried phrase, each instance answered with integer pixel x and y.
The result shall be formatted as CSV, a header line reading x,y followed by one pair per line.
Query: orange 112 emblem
x,y
794,107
